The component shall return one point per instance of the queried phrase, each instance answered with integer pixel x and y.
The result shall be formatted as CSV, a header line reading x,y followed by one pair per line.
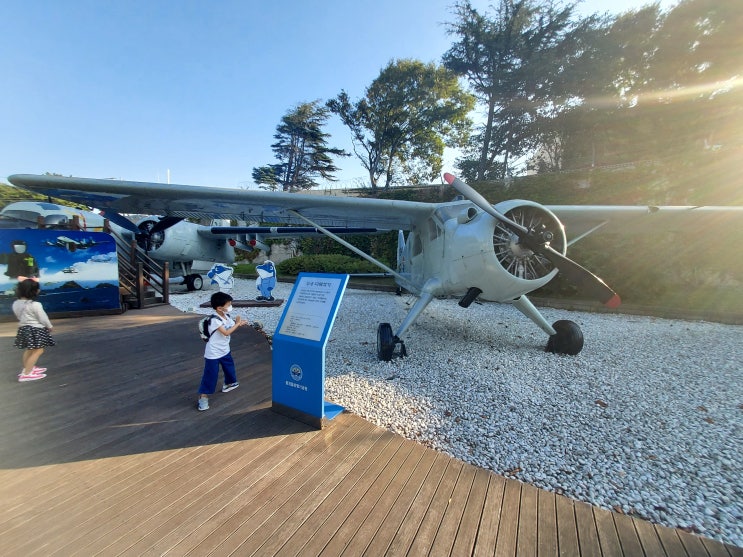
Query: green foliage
x,y
301,149
644,85
382,247
267,176
333,263
400,127
516,62
244,269
11,194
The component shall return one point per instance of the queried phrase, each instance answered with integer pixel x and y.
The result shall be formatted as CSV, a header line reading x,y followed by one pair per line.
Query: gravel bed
x,y
647,420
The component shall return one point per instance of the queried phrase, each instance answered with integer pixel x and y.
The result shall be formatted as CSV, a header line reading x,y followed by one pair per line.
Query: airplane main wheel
x,y
194,282
385,342
568,338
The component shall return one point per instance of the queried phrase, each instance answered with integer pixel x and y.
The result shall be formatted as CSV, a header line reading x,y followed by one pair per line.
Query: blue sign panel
x,y
77,270
299,346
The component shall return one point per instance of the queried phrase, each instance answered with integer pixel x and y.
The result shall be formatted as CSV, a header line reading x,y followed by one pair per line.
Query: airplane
x,y
70,270
165,239
466,248
72,245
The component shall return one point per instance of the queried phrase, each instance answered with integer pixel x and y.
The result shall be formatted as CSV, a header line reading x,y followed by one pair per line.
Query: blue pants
x,y
211,373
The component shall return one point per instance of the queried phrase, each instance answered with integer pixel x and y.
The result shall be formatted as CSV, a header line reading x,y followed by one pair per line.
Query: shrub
x,y
333,263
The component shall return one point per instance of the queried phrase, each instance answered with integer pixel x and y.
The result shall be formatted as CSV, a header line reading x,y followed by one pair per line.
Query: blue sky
x,y
136,89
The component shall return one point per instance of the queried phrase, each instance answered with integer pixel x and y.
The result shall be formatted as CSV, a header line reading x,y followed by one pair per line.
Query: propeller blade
x,y
593,286
470,193
120,220
577,274
165,223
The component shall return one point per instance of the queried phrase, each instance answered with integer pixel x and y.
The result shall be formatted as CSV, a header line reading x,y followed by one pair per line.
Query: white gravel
x,y
647,419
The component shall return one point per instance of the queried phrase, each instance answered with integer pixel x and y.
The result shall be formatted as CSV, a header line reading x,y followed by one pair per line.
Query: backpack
x,y
204,327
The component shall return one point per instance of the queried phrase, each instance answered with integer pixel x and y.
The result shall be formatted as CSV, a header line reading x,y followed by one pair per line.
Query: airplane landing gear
x,y
386,343
568,338
194,282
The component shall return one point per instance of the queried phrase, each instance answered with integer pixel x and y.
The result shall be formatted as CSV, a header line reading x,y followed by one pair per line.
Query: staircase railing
x,y
139,273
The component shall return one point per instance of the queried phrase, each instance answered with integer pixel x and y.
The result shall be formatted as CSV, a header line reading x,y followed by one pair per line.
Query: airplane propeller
x,y
538,242
147,233
150,233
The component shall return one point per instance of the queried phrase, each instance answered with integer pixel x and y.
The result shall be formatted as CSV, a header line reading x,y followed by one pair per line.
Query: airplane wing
x,y
224,203
581,220
328,211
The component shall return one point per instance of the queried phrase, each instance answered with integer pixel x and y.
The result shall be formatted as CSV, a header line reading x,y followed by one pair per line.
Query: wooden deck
x,y
108,456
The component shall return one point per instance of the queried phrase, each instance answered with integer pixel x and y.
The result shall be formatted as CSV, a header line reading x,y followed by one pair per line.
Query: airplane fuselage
x,y
183,243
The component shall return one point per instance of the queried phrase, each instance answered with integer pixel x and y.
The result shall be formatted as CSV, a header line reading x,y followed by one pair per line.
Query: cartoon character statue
x,y
221,275
20,262
266,280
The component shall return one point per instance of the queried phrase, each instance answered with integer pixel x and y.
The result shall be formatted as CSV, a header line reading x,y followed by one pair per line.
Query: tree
x,y
302,151
662,87
517,64
400,128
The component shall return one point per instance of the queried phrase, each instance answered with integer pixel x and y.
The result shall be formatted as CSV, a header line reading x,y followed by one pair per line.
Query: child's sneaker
x,y
203,404
31,377
230,387
34,371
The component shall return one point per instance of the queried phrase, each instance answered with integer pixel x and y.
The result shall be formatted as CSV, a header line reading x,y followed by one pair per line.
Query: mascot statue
x,y
266,280
221,275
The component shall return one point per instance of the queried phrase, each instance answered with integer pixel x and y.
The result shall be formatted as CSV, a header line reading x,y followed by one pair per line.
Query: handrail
x,y
137,270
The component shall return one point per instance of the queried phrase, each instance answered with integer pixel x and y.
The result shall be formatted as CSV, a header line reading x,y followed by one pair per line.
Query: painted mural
x,y
77,270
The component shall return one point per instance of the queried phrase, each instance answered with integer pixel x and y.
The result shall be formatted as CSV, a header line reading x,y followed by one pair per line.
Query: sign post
x,y
298,376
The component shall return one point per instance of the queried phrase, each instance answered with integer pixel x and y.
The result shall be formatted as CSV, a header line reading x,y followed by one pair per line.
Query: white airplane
x,y
468,249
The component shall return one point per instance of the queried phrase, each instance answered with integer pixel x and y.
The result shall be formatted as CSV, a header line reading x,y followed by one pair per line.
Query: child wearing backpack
x,y
217,352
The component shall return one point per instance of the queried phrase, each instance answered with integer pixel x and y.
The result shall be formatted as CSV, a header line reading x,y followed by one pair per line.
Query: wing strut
x,y
403,281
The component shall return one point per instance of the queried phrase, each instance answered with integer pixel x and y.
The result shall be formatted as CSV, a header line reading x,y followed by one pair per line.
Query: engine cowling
x,y
146,239
519,260
480,253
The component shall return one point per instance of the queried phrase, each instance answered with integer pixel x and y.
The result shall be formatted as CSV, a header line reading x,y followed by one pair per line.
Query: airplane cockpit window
x,y
18,214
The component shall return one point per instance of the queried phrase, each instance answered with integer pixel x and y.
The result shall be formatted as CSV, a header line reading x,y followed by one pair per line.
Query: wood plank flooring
x,y
108,456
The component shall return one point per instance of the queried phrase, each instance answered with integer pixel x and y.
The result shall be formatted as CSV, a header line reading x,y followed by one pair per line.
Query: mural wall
x,y
77,271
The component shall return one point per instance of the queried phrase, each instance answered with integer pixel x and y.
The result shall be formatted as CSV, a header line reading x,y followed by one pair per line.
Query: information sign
x,y
298,387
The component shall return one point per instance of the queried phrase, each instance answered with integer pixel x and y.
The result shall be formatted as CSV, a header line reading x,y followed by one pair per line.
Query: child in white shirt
x,y
217,350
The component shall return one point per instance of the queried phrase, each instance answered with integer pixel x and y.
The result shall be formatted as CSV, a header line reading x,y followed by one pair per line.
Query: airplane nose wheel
x,y
568,338
386,343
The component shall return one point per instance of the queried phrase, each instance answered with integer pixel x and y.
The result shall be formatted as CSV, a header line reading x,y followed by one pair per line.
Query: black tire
x,y
193,282
568,338
124,305
385,342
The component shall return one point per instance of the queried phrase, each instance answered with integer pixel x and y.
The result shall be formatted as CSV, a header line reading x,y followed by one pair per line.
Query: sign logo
x,y
296,372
